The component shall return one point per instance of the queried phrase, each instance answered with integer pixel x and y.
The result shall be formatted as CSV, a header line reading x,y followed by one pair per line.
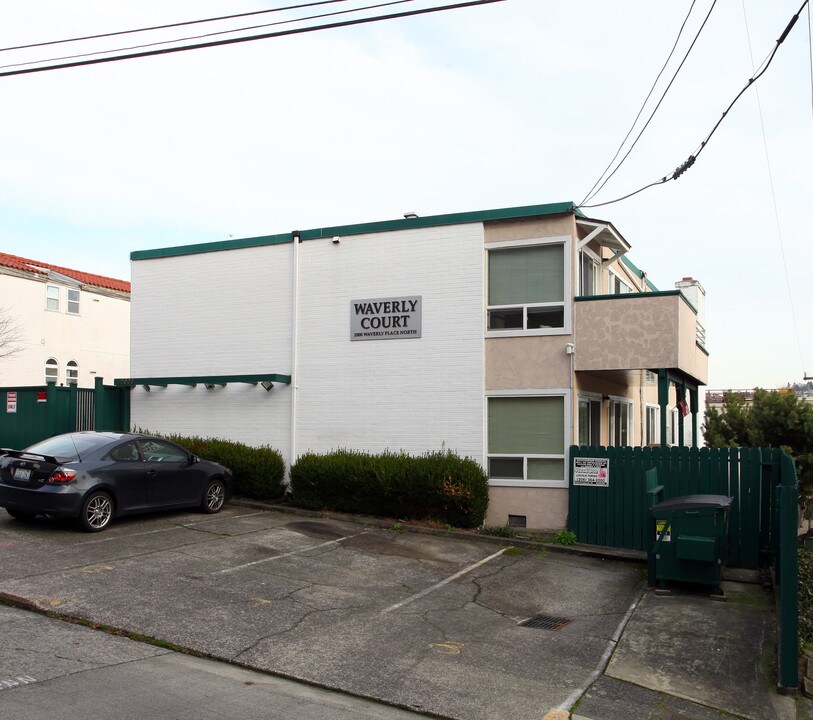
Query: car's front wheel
x,y
214,496
97,511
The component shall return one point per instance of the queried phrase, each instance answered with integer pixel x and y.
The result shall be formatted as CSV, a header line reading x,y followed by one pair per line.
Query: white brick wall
x,y
405,394
222,313
230,313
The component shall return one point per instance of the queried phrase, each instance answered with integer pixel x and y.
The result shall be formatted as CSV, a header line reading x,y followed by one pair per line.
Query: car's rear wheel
x,y
20,515
97,511
214,496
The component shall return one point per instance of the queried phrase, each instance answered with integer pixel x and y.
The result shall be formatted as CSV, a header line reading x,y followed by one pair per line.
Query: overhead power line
x,y
686,164
643,105
593,193
211,34
171,25
250,38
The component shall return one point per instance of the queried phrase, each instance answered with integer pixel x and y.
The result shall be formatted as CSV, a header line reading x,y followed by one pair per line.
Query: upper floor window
x,y
52,297
72,373
73,302
51,370
588,274
526,287
618,286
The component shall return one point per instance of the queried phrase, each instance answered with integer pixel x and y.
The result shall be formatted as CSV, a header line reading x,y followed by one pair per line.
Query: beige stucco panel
x,y
508,230
691,358
527,362
544,508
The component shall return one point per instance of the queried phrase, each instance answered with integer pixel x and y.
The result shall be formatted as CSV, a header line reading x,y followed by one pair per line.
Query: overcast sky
x,y
516,103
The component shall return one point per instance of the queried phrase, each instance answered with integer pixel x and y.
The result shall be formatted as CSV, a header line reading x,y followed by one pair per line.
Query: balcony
x,y
633,331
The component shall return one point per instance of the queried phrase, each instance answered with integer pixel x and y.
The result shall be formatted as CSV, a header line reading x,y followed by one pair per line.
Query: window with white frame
x,y
52,297
589,421
73,302
620,421
588,273
526,287
618,286
72,373
653,425
526,440
51,370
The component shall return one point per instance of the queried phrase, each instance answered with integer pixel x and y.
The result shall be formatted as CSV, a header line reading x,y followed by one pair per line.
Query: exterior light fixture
x,y
268,385
209,386
146,387
410,215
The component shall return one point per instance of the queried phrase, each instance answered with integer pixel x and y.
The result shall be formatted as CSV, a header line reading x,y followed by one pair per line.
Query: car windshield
x,y
71,446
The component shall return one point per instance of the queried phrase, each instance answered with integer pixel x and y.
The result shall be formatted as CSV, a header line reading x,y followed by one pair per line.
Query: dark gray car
x,y
96,476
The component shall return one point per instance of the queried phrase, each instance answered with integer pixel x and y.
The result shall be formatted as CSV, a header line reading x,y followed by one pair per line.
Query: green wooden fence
x,y
31,414
617,515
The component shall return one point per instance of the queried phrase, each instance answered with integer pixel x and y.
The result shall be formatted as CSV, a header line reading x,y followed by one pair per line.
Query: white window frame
x,y
567,290
616,278
611,421
564,393
68,301
72,373
591,397
656,424
55,366
48,288
595,261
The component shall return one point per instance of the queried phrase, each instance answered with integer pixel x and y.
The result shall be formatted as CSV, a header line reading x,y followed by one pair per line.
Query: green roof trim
x,y
203,380
654,293
478,216
631,265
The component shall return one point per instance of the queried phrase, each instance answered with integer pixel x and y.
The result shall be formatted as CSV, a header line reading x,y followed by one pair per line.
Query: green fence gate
x,y
615,512
32,414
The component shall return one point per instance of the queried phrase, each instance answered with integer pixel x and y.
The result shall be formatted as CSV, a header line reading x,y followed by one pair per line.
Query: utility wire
x,y
773,198
211,34
643,105
652,114
171,25
683,167
264,36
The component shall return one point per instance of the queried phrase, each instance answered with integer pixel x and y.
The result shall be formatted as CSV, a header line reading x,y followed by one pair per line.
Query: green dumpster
x,y
691,542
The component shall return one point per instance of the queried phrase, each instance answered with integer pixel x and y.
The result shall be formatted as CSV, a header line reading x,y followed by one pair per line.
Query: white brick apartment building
x,y
70,327
513,334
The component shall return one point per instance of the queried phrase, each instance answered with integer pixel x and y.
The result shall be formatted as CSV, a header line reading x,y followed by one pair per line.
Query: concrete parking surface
x,y
431,624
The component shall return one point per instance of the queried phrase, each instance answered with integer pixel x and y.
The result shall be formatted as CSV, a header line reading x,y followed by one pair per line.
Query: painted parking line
x,y
436,586
7,683
288,554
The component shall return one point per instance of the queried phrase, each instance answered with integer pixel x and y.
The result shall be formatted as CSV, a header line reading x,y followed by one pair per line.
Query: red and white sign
x,y
11,401
42,396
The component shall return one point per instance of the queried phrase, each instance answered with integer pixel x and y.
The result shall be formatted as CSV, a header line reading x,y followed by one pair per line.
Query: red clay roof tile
x,y
41,268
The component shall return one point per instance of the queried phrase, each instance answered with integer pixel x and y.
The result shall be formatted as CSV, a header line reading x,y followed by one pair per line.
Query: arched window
x,y
51,370
72,373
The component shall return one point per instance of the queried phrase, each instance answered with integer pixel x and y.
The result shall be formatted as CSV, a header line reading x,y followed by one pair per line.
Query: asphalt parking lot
x,y
432,624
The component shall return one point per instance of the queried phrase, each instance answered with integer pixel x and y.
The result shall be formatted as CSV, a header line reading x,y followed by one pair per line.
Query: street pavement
x,y
426,623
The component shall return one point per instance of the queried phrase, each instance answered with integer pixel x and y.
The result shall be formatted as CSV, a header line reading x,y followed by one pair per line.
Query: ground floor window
x,y
653,425
620,421
526,440
589,421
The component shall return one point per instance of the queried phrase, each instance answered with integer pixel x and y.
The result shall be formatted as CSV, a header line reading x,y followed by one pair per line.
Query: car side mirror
x,y
194,459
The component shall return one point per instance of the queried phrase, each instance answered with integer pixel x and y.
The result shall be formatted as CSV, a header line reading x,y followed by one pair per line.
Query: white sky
x,y
516,103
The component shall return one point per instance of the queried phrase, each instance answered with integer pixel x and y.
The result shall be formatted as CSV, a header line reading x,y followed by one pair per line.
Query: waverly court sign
x,y
385,318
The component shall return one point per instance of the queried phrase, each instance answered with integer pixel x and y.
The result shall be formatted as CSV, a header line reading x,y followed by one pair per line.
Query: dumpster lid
x,y
689,502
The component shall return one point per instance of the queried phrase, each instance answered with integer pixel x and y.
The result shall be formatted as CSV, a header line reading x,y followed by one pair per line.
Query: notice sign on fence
x,y
591,472
11,401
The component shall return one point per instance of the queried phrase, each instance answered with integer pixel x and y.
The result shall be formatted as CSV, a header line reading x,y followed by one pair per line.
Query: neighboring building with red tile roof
x,y
65,326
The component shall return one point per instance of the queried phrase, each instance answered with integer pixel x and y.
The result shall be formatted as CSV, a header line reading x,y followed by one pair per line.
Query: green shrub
x,y
564,537
259,472
806,598
437,486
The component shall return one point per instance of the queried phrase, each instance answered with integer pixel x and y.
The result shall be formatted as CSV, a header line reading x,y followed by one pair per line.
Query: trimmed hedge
x,y
439,486
258,472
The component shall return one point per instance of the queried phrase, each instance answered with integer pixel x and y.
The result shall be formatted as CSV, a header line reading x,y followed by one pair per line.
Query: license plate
x,y
22,473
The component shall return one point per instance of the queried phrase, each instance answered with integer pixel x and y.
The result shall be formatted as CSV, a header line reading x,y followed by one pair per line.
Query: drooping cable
x,y
643,104
211,34
250,38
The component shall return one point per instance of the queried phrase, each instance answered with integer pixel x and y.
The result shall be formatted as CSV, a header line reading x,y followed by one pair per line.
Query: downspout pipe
x,y
297,239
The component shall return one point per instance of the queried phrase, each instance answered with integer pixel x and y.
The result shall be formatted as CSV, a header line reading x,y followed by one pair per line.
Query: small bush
x,y
259,472
564,537
438,486
806,598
